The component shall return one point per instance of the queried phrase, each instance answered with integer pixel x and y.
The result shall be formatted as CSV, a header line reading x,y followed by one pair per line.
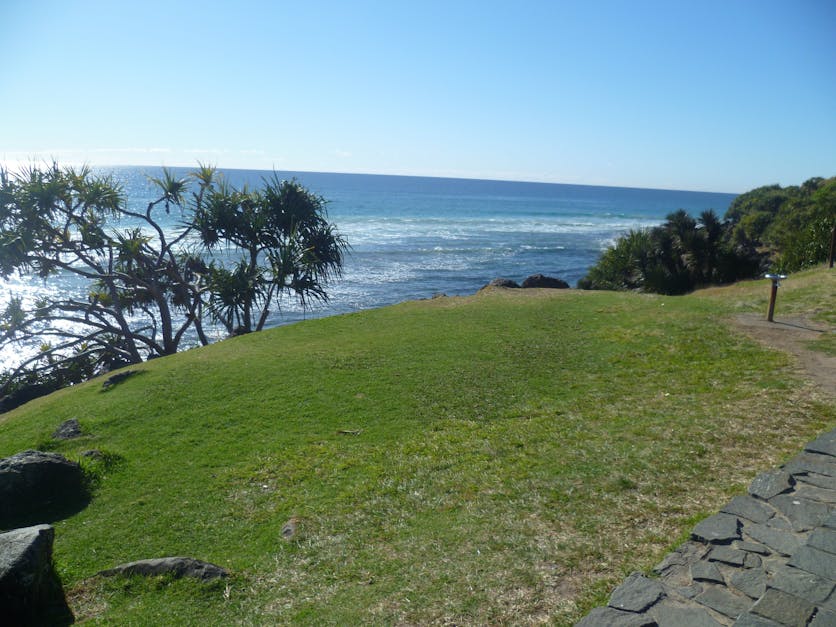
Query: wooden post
x,y
772,300
775,278
832,246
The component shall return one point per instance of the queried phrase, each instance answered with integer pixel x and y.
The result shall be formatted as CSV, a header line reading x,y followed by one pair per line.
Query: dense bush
x,y
785,229
674,258
794,224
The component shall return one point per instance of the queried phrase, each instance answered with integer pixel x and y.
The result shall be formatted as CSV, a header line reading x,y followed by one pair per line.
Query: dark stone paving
x,y
766,559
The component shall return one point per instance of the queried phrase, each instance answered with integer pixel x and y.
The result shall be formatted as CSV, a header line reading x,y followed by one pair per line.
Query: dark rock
x,y
30,591
68,430
813,493
783,608
685,554
118,378
175,566
669,614
752,620
803,514
751,582
689,592
771,483
753,547
749,508
823,618
727,555
706,571
780,523
717,529
824,444
609,617
806,462
720,599
38,487
540,280
636,594
823,539
777,540
801,583
502,283
814,561
289,528
820,481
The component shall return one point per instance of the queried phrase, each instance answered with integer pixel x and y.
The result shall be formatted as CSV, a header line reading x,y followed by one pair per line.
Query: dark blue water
x,y
413,237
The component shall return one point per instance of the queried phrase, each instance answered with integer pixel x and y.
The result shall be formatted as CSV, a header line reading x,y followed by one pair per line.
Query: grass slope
x,y
506,457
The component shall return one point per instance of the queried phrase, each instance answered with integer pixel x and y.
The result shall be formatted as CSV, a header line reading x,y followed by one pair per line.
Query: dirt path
x,y
792,335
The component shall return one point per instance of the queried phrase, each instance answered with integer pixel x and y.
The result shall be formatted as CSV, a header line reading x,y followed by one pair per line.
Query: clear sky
x,y
708,95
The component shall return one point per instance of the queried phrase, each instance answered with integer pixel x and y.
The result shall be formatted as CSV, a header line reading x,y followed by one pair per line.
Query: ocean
x,y
415,237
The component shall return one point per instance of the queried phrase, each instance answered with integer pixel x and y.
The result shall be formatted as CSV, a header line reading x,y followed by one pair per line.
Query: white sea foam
x,y
411,238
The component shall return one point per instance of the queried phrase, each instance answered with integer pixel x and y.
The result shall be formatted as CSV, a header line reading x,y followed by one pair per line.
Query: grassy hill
x,y
506,457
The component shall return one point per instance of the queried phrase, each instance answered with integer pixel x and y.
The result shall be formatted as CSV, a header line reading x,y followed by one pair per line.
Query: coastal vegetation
x,y
502,458
783,229
675,257
233,256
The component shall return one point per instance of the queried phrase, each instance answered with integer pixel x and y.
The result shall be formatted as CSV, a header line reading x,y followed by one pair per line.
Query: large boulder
x,y
68,430
541,280
175,566
37,487
30,591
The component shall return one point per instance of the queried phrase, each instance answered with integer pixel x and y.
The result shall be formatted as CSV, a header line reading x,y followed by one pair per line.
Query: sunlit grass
x,y
507,457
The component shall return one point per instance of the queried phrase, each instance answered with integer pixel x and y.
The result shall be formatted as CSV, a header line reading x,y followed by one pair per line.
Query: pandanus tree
x,y
283,243
143,286
149,286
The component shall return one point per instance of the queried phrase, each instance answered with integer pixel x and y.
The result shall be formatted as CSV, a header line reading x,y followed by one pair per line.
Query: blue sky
x,y
720,96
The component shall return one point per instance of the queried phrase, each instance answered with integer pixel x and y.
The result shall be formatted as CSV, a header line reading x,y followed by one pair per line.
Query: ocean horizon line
x,y
523,181
436,177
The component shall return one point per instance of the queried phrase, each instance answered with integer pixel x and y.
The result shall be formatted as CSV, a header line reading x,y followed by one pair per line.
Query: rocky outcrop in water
x,y
543,281
508,283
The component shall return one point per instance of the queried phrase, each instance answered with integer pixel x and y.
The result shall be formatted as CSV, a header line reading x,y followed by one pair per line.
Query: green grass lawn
x,y
503,458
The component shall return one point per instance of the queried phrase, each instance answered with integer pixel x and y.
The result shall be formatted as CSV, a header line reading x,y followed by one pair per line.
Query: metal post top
x,y
775,277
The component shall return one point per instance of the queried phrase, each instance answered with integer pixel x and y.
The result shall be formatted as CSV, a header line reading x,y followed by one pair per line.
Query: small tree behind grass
x,y
149,287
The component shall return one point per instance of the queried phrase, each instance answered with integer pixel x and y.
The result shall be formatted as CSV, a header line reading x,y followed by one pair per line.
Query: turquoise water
x,y
414,237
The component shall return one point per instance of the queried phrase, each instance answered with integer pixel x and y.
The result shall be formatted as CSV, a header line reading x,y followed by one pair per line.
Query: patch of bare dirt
x,y
792,336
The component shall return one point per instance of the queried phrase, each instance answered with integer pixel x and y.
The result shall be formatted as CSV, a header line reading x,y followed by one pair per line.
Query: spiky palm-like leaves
x,y
284,243
148,287
676,257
